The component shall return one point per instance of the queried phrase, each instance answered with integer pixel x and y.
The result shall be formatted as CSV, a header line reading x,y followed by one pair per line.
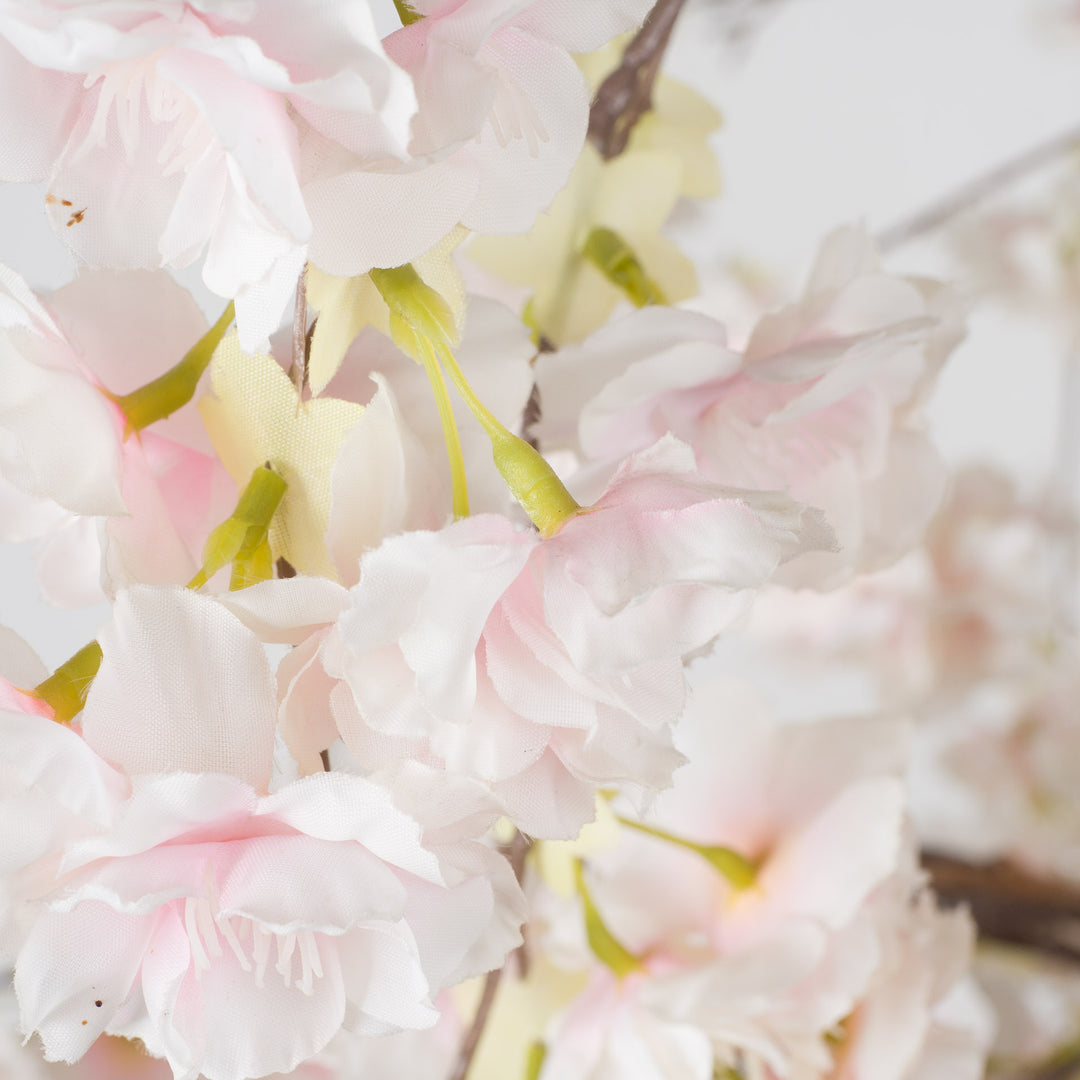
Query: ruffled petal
x,y
211,709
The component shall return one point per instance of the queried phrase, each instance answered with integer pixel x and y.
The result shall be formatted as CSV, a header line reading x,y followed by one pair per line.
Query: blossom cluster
x,y
402,682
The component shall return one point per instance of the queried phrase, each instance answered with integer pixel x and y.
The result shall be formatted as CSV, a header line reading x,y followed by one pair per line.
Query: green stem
x,y
739,872
173,390
458,480
605,946
66,688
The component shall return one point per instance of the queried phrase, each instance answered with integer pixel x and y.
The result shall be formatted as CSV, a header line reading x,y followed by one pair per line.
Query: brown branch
x,y
978,190
476,1029
1008,904
626,94
1065,1065
516,852
300,340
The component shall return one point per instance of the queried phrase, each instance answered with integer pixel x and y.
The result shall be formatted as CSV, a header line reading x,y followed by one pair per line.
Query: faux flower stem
x,y
421,324
173,390
458,479
66,688
738,871
605,946
531,480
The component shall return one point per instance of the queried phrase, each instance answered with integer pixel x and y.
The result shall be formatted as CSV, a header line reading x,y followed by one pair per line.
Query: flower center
x,y
513,117
127,88
251,943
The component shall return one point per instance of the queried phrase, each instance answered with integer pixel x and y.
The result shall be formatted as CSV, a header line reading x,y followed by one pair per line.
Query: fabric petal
x,y
211,708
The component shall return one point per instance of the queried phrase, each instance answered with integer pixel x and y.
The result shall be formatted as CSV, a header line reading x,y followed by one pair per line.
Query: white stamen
x,y
513,116
229,934
286,944
261,953
204,923
198,951
309,956
207,929
126,88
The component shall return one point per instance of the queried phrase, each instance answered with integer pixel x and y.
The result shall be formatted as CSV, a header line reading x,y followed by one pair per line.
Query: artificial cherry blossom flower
x,y
821,967
205,897
971,635
822,404
542,667
170,129
502,115
106,503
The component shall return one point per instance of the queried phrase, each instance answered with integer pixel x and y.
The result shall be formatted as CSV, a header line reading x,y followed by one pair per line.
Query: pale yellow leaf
x,y
255,417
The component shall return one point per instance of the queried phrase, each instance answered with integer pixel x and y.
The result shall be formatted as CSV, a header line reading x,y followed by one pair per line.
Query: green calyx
x,y
419,316
618,262
243,538
173,390
422,325
739,872
534,1060
66,688
605,946
240,540
406,13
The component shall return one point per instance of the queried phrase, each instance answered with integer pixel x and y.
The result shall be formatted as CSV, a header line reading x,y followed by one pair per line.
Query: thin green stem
x,y
458,479
488,420
605,946
739,871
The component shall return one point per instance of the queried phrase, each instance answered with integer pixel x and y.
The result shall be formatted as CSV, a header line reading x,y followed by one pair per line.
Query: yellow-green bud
x,y
533,482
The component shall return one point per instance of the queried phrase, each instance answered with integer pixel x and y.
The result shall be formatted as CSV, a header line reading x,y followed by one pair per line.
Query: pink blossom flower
x,y
541,667
832,963
107,506
166,129
823,404
503,110
236,931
